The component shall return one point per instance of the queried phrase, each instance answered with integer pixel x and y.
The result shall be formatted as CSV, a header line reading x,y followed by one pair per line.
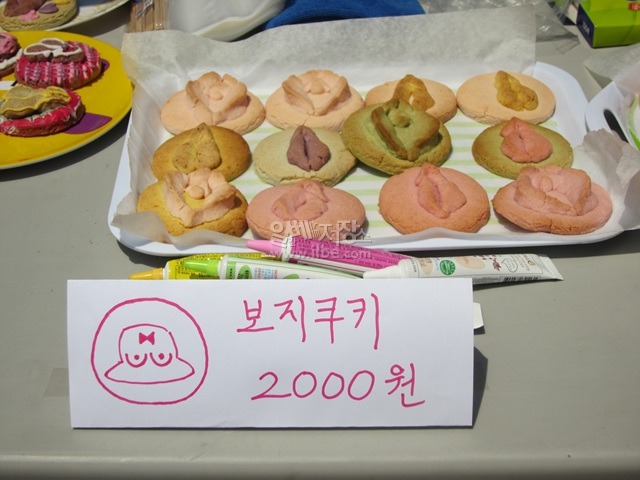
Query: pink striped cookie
x,y
54,62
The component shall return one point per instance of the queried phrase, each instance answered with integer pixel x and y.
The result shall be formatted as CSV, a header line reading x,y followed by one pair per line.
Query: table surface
x,y
557,379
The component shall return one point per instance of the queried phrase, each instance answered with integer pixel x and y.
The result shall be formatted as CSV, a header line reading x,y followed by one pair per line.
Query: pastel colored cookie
x,y
553,199
508,147
315,98
433,97
36,14
308,209
394,136
300,153
215,100
55,62
527,98
433,197
216,148
200,200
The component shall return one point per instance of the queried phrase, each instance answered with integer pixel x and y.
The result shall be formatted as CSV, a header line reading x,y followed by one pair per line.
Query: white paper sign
x,y
274,353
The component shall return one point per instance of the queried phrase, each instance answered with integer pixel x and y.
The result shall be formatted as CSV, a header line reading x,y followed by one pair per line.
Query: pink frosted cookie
x,y
36,14
55,62
9,48
316,98
428,197
307,209
427,95
555,200
214,100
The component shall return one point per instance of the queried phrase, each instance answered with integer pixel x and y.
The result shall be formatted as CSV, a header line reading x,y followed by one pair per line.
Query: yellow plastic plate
x,y
107,100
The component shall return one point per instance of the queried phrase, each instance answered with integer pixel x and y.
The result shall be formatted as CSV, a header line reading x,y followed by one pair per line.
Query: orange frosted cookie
x,y
555,200
508,147
308,209
429,197
315,98
201,199
428,95
214,100
497,97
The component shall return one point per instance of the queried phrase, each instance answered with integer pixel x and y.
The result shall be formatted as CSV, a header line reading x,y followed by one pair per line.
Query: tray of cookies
x,y
395,159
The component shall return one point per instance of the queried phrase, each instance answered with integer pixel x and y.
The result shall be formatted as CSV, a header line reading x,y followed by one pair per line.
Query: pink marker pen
x,y
338,256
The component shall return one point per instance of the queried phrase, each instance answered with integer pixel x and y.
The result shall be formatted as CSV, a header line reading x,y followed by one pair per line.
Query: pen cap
x,y
393,271
155,274
208,267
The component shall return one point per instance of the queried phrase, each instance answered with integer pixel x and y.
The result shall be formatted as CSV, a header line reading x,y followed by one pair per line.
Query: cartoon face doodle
x,y
148,354
136,355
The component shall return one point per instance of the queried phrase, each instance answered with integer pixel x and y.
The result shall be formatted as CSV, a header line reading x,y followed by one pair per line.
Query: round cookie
x,y
203,146
487,150
30,112
55,62
308,209
444,105
272,164
9,48
477,99
316,98
394,136
430,197
553,199
233,222
36,14
214,100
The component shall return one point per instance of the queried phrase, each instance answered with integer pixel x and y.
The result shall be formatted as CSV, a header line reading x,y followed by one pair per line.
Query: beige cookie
x,y
49,15
315,98
277,161
154,199
215,100
430,197
217,148
487,149
394,136
436,98
553,199
528,98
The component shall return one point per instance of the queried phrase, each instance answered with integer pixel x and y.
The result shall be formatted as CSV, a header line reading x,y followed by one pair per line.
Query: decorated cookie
x,y
295,154
29,112
55,62
215,100
424,94
394,136
9,48
430,197
554,199
505,149
201,199
36,14
216,148
497,97
308,209
315,98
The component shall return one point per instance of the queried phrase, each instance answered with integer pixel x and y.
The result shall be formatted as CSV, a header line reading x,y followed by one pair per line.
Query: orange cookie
x,y
555,200
428,197
213,100
497,97
428,95
316,98
307,209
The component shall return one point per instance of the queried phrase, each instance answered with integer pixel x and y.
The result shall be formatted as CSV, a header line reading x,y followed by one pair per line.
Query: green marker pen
x,y
175,269
235,267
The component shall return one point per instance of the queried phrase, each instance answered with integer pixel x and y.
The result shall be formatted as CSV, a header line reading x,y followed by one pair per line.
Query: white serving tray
x,y
568,119
611,99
